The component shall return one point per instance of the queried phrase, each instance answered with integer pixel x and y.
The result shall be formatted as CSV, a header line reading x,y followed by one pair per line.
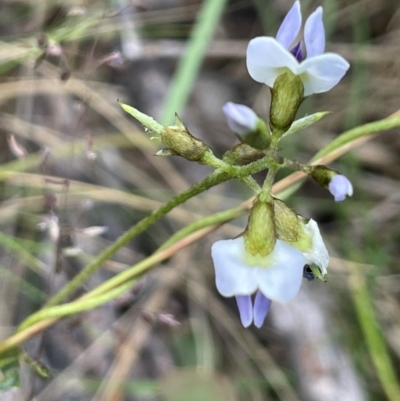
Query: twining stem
x,y
141,267
213,179
116,285
75,306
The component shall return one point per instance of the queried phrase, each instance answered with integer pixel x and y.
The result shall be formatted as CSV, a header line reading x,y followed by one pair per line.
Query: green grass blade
x,y
190,62
373,336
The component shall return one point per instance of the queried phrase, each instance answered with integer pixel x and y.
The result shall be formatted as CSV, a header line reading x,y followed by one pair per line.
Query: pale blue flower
x,y
339,187
268,57
240,118
276,277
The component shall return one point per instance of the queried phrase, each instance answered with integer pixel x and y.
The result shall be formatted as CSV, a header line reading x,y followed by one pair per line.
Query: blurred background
x,y
76,172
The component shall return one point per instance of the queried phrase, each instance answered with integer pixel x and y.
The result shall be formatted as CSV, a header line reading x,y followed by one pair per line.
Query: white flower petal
x,y
266,59
232,275
290,26
314,34
321,73
281,281
318,254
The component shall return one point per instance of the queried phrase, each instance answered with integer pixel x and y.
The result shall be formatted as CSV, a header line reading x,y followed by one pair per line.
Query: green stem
x,y
232,170
269,182
215,178
213,220
295,165
350,136
137,270
74,307
123,281
358,132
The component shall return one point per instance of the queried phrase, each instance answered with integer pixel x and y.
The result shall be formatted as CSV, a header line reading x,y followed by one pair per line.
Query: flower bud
x,y
337,184
286,98
339,187
242,154
240,118
245,123
179,141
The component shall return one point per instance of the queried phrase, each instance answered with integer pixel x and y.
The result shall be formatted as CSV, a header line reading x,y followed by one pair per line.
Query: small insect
x,y
308,273
312,272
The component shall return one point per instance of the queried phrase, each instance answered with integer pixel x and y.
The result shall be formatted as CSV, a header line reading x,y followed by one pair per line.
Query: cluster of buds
x,y
278,247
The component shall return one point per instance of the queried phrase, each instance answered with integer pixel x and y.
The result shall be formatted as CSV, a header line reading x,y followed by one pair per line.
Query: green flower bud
x,y
179,141
286,98
242,154
337,184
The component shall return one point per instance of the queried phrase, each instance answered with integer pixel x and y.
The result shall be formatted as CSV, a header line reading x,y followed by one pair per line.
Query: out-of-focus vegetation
x,y
76,172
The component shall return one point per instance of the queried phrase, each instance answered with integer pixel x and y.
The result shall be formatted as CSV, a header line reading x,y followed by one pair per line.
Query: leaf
x,y
305,122
9,371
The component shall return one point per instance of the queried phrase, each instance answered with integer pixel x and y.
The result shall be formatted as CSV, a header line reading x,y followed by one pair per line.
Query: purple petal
x,y
245,309
241,119
314,34
290,26
261,308
298,52
339,187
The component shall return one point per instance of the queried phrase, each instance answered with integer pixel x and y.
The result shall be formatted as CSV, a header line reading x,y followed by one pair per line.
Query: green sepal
x,y
260,138
181,142
260,235
321,174
242,154
286,98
